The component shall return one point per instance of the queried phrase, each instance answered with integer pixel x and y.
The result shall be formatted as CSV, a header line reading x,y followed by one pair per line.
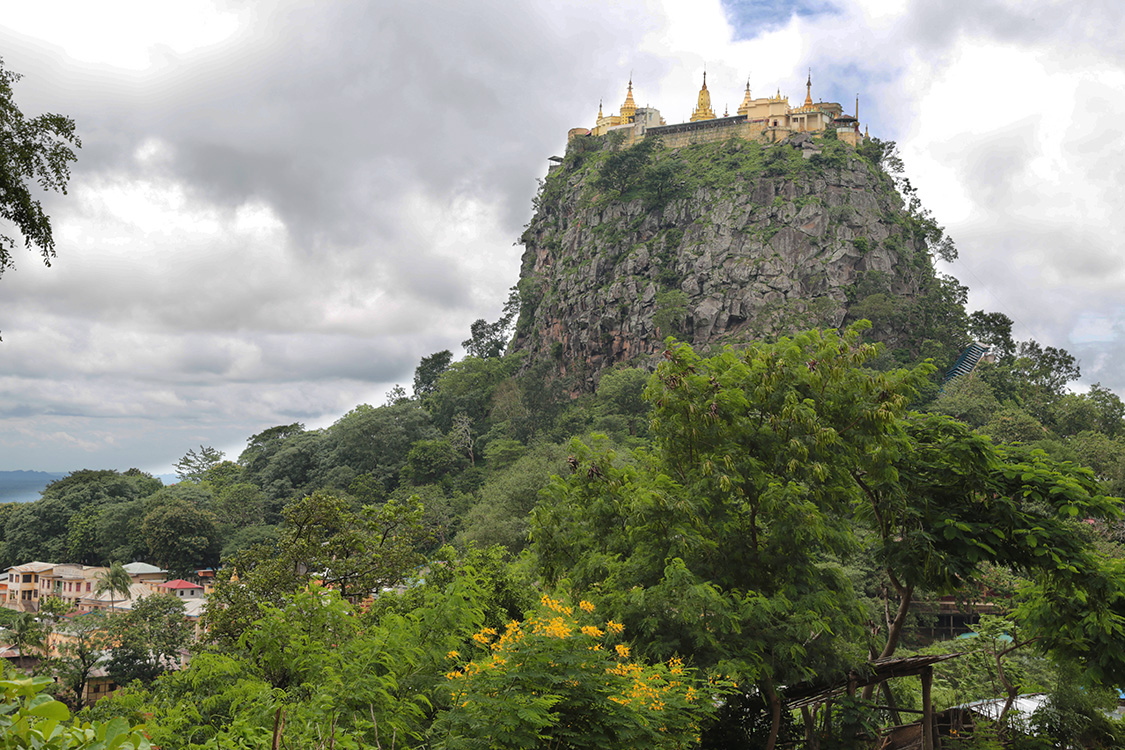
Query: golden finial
x,y
808,90
726,110
629,108
703,109
857,107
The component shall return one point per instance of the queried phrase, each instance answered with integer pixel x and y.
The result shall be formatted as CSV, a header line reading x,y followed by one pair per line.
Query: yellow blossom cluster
x,y
587,657
555,605
484,637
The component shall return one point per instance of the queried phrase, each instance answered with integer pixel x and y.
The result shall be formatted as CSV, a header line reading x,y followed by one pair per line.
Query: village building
x,y
182,589
69,582
23,585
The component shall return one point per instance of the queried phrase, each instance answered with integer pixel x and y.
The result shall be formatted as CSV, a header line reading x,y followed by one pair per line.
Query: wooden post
x,y
927,709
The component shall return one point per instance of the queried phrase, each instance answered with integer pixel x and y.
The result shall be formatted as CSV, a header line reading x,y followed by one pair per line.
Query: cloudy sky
x,y
280,207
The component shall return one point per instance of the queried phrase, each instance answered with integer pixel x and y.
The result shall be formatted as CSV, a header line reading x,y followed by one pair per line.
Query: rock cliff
x,y
713,244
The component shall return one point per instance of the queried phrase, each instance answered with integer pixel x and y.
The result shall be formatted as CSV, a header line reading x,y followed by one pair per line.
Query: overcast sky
x,y
280,207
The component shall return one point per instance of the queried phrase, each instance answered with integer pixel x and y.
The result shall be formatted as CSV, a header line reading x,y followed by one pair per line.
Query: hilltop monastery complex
x,y
767,119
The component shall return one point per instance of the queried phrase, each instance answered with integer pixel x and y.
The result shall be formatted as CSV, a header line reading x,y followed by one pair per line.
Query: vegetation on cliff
x,y
720,243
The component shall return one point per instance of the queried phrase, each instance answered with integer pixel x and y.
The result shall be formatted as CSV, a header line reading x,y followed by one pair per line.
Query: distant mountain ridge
x,y
24,486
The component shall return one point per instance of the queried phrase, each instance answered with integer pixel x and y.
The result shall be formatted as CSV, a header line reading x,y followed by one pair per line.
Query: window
x,y
87,585
27,577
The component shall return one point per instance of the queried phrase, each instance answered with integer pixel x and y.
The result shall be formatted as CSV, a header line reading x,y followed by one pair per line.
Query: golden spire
x,y
726,110
857,107
600,109
808,90
703,111
629,108
745,108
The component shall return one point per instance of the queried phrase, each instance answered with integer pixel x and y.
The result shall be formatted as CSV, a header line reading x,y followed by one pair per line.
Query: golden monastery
x,y
768,119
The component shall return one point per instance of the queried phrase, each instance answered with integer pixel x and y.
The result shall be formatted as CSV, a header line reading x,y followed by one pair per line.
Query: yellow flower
x,y
622,650
452,655
592,631
586,606
614,627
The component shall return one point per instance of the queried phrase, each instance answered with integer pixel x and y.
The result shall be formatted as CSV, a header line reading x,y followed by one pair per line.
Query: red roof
x,y
179,583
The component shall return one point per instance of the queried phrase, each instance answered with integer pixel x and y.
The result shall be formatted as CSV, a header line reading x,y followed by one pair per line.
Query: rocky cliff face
x,y
715,243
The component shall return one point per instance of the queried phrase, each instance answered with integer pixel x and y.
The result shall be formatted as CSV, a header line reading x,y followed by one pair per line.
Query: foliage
x,y
671,313
429,370
194,466
81,651
994,330
624,169
34,150
563,678
181,537
489,340
722,543
323,537
114,580
24,631
376,440
147,639
29,718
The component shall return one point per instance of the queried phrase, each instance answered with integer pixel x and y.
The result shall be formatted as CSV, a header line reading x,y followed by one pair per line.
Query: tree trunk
x,y
895,626
927,709
775,715
812,741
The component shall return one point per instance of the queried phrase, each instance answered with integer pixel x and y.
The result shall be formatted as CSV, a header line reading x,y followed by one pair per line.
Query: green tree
x,y
429,370
994,330
147,639
624,169
376,440
32,150
467,387
114,580
430,460
81,651
194,466
119,534
323,537
489,340
24,631
181,537
969,399
722,544
261,447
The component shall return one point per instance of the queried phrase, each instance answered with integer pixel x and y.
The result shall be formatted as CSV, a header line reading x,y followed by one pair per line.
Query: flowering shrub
x,y
561,678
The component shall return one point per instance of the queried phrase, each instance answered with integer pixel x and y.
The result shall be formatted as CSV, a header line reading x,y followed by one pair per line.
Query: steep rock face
x,y
714,244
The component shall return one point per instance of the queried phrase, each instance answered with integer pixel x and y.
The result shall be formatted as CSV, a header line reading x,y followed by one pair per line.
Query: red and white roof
x,y
179,583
